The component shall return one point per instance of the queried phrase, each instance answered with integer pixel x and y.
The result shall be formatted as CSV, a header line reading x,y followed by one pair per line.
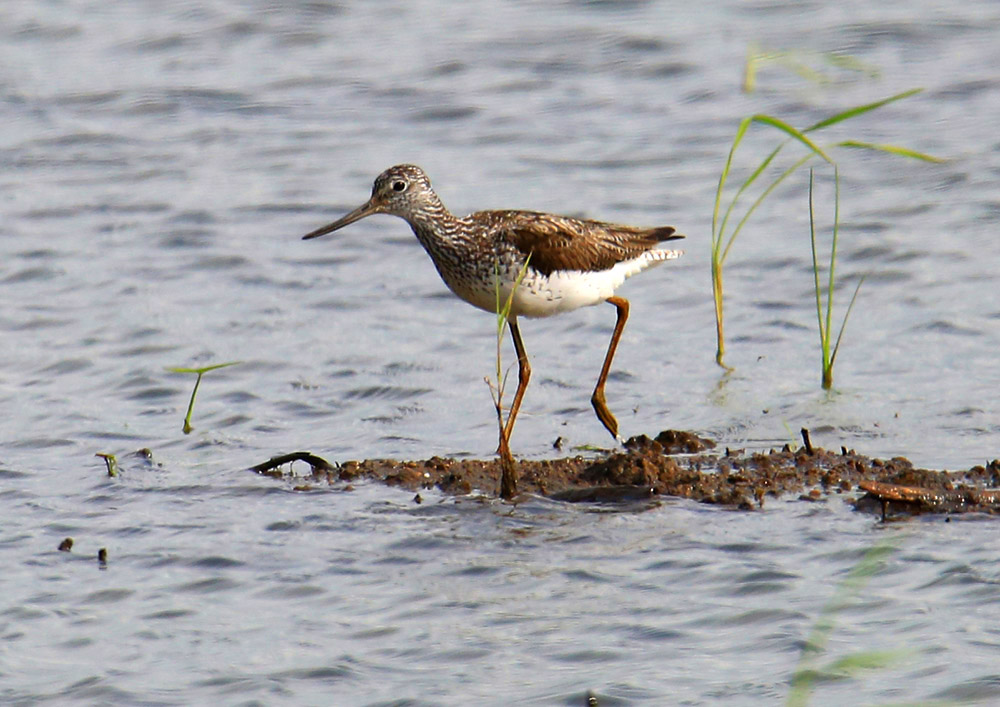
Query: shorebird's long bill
x,y
366,209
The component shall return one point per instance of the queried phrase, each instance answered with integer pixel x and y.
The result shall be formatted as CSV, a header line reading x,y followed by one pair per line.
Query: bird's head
x,y
403,190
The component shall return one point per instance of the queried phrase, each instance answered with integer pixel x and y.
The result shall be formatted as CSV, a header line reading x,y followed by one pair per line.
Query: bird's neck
x,y
437,228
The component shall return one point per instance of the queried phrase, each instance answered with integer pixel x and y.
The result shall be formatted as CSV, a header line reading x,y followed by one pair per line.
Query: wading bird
x,y
563,263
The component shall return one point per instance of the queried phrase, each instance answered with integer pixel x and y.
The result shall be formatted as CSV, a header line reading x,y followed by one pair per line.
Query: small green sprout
x,y
110,462
200,372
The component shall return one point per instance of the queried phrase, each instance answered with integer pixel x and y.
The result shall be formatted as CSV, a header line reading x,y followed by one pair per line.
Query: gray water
x,y
158,164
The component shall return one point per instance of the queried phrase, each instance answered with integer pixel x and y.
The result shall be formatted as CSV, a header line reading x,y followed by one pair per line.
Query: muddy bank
x,y
684,465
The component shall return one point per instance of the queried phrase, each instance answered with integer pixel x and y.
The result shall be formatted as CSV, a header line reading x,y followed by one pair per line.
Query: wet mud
x,y
684,465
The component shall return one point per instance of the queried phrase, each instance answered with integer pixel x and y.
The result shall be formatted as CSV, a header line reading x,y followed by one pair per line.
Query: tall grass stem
x,y
723,237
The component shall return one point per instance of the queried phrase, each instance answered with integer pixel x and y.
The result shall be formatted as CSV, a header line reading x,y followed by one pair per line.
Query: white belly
x,y
563,291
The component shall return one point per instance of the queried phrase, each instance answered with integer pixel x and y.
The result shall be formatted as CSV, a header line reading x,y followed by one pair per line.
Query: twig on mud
x,y
318,464
805,440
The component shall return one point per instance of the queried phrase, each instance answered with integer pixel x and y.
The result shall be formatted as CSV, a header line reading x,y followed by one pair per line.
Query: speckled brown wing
x,y
562,243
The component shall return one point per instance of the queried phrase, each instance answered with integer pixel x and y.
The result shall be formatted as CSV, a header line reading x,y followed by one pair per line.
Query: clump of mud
x,y
681,464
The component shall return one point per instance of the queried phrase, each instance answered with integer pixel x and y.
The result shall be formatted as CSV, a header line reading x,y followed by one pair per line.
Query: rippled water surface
x,y
158,165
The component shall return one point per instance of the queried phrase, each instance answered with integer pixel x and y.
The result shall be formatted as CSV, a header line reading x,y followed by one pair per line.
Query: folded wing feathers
x,y
562,243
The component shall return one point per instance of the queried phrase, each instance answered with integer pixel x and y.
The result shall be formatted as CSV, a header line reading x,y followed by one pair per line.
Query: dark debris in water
x,y
680,464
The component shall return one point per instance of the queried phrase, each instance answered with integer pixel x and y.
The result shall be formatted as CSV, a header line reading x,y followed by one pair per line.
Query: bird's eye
x,y
399,186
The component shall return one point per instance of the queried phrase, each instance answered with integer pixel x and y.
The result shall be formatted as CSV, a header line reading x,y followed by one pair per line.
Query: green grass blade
x,y
793,133
833,263
496,288
750,69
796,62
850,63
200,372
852,664
501,323
110,462
737,139
503,315
892,150
722,242
739,192
760,200
812,240
805,676
719,230
187,418
803,70
843,324
859,110
206,369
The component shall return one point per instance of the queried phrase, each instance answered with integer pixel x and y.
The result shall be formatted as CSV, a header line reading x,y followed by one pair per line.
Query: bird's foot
x,y
605,416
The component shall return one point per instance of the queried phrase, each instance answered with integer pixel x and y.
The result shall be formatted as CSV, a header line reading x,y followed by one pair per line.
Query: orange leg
x,y
523,374
597,399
